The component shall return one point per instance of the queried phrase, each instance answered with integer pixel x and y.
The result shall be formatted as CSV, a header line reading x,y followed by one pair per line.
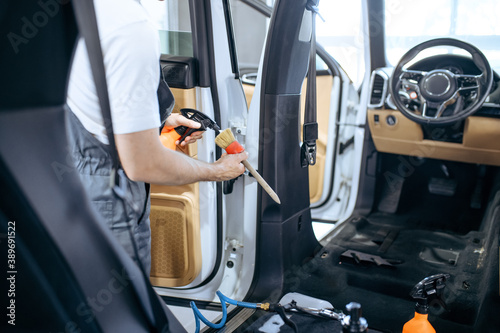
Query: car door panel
x,y
175,237
176,256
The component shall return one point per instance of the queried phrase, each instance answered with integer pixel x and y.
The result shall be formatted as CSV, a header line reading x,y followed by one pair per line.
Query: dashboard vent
x,y
378,89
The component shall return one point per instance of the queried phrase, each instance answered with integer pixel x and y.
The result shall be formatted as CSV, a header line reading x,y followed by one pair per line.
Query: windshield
x,y
409,23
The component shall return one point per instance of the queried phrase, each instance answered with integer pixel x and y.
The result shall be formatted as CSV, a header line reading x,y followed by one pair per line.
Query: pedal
x,y
442,186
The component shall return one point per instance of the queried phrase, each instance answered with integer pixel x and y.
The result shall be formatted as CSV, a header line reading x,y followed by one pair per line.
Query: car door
x,y
197,229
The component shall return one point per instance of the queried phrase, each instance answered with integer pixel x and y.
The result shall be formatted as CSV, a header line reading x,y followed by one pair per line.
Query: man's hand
x,y
231,166
176,119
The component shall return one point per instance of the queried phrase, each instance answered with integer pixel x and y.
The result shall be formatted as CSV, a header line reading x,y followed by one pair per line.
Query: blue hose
x,y
223,300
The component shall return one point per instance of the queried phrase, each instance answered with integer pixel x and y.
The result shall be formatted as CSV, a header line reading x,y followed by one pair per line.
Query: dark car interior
x,y
429,233
428,204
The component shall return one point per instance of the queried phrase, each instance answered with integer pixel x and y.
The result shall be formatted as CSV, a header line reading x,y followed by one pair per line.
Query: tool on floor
x,y
170,137
354,323
429,288
226,141
329,313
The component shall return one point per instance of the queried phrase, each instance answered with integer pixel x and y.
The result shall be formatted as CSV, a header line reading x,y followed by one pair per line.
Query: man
x,y
131,52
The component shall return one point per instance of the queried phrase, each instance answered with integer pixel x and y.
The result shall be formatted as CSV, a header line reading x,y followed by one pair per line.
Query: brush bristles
x,y
225,138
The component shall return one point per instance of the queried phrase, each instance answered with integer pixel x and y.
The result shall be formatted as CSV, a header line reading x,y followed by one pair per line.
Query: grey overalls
x,y
93,162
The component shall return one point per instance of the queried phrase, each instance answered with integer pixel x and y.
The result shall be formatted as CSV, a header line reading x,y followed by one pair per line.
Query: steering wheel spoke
x,y
439,108
412,76
432,110
468,82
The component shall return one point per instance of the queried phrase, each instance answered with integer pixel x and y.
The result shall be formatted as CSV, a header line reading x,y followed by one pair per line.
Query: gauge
x,y
453,69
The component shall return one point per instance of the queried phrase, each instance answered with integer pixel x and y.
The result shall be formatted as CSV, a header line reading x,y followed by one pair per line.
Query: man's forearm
x,y
174,168
144,158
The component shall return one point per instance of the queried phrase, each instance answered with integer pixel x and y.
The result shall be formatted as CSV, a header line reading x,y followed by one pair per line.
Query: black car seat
x,y
66,271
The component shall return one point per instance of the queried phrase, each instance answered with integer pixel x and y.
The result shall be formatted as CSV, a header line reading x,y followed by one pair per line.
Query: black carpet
x,y
427,235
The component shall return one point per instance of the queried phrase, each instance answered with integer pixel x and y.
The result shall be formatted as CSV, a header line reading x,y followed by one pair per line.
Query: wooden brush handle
x,y
261,181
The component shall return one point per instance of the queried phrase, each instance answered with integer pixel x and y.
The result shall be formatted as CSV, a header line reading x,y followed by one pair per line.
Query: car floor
x,y
428,233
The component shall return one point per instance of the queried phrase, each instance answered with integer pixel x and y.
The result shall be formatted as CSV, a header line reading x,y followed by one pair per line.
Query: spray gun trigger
x,y
201,118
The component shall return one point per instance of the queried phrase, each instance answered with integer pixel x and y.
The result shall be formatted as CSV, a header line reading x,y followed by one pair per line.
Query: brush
x,y
226,141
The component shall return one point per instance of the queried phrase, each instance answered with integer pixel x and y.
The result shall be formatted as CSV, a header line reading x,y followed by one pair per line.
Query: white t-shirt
x,y
131,48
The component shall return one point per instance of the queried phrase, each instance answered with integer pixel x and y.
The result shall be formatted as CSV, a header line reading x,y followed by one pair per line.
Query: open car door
x,y
238,223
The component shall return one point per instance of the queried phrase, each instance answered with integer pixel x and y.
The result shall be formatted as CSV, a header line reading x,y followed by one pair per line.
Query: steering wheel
x,y
441,97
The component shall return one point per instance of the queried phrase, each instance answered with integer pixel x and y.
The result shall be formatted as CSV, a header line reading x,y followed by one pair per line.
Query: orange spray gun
x,y
170,136
430,287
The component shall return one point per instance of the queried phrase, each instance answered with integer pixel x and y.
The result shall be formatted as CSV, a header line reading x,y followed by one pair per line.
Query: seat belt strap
x,y
310,127
88,30
87,25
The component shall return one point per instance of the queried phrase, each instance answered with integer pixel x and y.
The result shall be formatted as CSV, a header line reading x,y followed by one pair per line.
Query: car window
x,y
340,35
250,29
174,25
409,23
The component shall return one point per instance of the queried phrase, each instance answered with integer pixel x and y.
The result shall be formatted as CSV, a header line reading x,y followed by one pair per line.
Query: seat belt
x,y
310,127
87,25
